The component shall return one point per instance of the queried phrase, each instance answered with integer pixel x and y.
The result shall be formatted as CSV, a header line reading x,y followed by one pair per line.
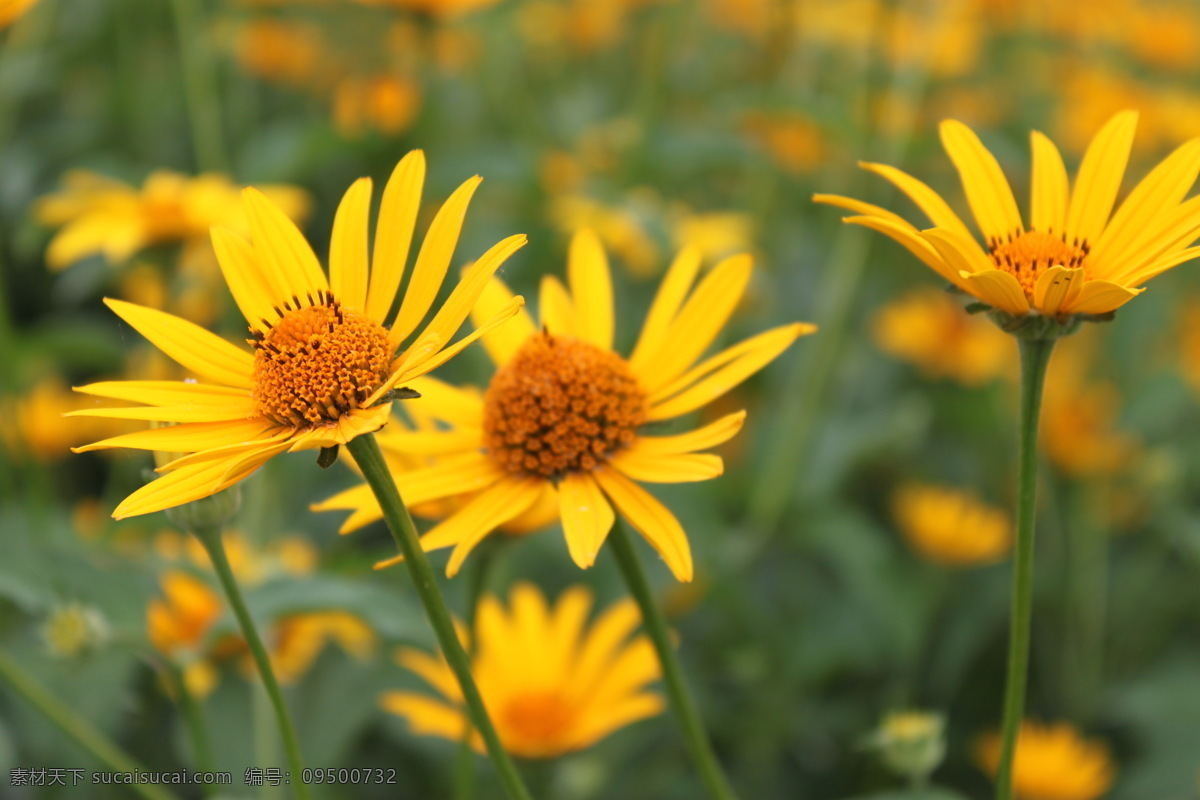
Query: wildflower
x,y
951,527
550,684
74,629
912,743
324,365
927,328
562,414
1053,762
286,52
1073,260
622,228
383,103
100,215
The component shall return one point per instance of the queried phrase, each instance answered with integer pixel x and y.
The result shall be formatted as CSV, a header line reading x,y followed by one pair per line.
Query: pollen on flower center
x,y
1027,255
317,363
561,405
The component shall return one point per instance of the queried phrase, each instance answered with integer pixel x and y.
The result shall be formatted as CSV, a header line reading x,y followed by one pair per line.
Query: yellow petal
x,y
502,343
961,255
484,513
431,361
670,296
433,261
1048,210
186,438
283,251
168,393
1175,231
929,201
999,289
433,671
718,374
591,289
698,323
607,718
1100,297
426,716
457,405
1163,264
192,413
862,209
586,517
204,353
348,427
912,241
472,472
348,246
988,193
711,435
604,642
557,311
1056,289
1099,178
662,468
651,519
249,287
394,233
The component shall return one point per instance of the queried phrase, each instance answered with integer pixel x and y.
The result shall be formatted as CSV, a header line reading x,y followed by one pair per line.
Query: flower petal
x,y
988,193
710,436
912,241
557,310
1050,191
484,513
168,393
862,209
663,468
348,246
999,289
1099,178
670,296
186,438
1056,289
1100,297
502,343
394,233
929,201
586,517
591,289
285,254
651,519
249,286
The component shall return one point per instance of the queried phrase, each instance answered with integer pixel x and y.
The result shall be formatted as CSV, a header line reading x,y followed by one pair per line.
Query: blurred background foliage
x,y
852,560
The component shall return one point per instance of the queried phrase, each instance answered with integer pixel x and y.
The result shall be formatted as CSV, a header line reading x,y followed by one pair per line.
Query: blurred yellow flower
x,y
437,8
287,52
562,414
950,526
1078,424
1074,259
100,215
35,426
324,364
182,618
928,328
716,234
620,227
551,684
1053,762
384,103
11,9
793,140
298,639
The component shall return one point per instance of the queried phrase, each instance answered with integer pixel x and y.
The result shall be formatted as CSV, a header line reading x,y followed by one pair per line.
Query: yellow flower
x,y
288,52
1074,258
550,684
794,141
183,617
927,328
383,103
100,215
716,234
447,9
1053,762
562,414
621,228
298,640
324,362
10,10
951,527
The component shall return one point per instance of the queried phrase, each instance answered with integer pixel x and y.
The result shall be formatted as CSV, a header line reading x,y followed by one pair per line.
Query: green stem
x,y
477,577
366,453
213,543
200,86
194,718
682,702
80,730
1035,355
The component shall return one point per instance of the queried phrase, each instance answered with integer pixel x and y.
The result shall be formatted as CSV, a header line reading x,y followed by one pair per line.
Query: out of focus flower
x,y
182,617
751,18
287,52
1079,415
286,556
437,8
950,526
911,743
562,415
100,215
384,103
1053,762
298,639
10,10
793,140
1074,259
74,629
324,364
928,328
35,425
577,26
621,227
550,683
716,234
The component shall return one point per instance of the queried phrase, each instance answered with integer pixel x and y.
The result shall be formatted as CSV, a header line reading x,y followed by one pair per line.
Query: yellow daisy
x,y
951,527
1077,256
560,423
1053,762
324,362
551,685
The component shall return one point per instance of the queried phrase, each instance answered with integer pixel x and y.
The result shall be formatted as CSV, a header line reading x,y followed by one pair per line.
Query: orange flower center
x,y
1027,255
561,405
317,363
535,724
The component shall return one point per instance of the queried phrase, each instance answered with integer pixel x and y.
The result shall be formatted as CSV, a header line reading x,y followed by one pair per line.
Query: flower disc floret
x,y
317,363
561,405
1026,255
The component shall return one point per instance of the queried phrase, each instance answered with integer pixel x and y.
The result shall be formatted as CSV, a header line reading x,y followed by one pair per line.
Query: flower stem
x,y
79,730
477,579
366,453
200,85
1035,355
680,695
213,543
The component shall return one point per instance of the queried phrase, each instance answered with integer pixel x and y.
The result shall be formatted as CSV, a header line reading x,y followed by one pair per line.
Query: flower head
x,y
1053,762
324,361
102,215
550,684
10,10
951,527
1076,257
561,422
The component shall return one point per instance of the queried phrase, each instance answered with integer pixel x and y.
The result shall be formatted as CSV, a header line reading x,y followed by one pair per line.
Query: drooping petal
x,y
394,233
706,438
1099,178
999,289
586,517
204,353
186,438
863,209
1050,191
988,193
650,518
1100,297
1056,289
591,289
348,267
169,393
913,242
929,201
957,252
